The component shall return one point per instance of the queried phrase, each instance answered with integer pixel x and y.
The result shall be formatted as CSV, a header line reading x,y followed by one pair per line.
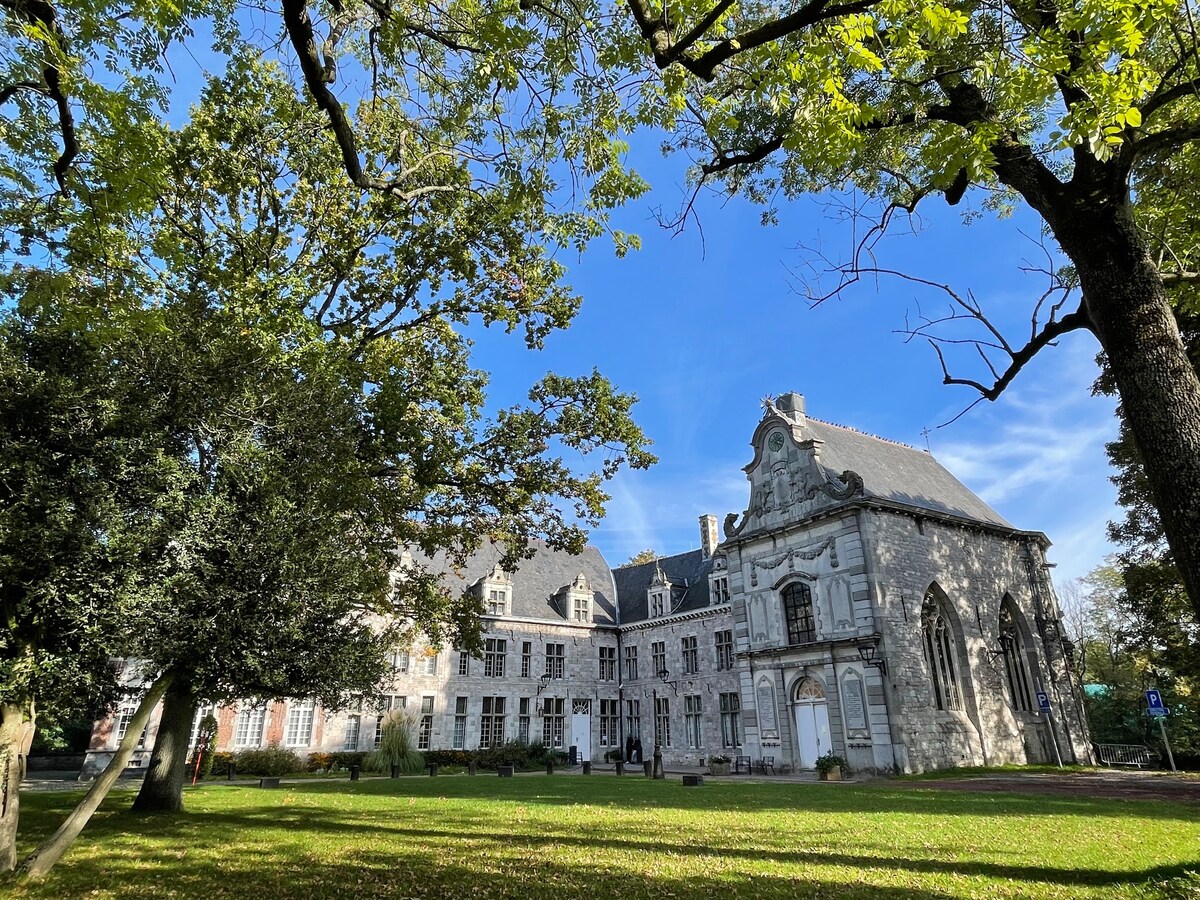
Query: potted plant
x,y
718,765
830,767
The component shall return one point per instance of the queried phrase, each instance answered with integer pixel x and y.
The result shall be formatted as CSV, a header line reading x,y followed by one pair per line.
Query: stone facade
x,y
865,604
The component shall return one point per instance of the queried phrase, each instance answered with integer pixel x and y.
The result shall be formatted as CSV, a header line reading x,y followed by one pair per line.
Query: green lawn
x,y
617,838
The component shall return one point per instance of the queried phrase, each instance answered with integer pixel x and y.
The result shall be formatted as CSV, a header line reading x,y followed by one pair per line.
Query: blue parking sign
x,y
1043,701
1154,699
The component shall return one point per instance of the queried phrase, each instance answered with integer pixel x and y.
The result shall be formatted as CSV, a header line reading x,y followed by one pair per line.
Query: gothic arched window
x,y
939,643
1016,666
798,613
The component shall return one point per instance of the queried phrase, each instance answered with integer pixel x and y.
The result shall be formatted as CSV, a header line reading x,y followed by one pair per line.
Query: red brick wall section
x,y
277,717
226,715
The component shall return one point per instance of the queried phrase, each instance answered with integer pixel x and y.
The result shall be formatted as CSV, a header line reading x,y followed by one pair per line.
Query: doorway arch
x,y
810,711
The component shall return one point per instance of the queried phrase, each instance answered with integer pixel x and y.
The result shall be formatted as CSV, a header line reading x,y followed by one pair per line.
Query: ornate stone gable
x,y
788,482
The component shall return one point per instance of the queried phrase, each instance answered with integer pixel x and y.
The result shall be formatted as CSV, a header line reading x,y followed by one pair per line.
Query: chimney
x,y
708,534
791,405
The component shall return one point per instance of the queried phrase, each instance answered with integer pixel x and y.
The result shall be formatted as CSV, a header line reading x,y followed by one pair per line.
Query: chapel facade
x,y
865,603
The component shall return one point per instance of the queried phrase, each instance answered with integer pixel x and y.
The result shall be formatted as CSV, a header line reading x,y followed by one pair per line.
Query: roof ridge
x,y
854,430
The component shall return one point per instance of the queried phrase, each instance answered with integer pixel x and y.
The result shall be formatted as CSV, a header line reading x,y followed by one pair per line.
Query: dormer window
x,y
659,593
497,602
495,588
576,600
719,593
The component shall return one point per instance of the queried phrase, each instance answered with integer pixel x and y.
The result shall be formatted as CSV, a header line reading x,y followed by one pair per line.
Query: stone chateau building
x,y
865,603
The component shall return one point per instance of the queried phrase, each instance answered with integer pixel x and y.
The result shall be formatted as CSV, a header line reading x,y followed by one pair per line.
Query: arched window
x,y
939,642
1016,666
798,612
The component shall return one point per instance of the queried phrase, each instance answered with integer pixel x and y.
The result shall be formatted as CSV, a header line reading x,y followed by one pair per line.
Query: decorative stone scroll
x,y
790,556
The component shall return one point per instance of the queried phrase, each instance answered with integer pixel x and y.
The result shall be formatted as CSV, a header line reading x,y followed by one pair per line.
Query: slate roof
x,y
899,473
687,572
536,581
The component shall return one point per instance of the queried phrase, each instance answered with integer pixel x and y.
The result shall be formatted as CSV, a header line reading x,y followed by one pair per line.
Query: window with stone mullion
x,y
691,655
491,723
662,721
493,657
730,708
658,652
798,613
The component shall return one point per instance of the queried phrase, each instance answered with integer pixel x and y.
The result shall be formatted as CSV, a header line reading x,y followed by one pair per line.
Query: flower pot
x,y
834,774
716,768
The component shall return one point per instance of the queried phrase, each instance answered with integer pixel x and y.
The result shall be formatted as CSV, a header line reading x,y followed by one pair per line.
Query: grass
x,y
570,836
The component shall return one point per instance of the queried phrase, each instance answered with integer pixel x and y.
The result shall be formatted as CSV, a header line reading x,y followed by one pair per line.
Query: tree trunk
x,y
162,790
16,734
1158,386
42,860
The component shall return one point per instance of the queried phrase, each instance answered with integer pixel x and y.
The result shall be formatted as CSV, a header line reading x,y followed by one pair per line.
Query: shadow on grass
x,y
881,797
479,857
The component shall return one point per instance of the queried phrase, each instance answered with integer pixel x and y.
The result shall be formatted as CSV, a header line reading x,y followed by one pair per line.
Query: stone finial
x,y
708,535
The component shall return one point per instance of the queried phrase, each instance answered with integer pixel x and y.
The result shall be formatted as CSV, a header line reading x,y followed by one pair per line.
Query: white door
x,y
812,723
581,729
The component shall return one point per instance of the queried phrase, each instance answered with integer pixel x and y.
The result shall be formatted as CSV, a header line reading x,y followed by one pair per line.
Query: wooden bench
x,y
1126,755
767,762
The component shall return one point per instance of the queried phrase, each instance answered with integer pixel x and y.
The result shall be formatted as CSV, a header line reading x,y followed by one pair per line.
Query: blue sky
x,y
702,325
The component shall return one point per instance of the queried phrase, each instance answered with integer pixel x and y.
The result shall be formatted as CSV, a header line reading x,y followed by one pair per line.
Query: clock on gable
x,y
775,441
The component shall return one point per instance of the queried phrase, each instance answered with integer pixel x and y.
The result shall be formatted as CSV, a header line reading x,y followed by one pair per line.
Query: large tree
x,y
306,329
1061,105
80,461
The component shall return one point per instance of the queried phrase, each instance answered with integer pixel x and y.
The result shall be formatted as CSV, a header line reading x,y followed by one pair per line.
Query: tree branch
x,y
42,13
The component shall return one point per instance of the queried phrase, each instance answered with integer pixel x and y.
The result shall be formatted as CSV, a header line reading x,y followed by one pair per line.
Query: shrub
x,y
443,758
397,748
720,760
829,762
319,762
273,761
347,758
520,754
222,760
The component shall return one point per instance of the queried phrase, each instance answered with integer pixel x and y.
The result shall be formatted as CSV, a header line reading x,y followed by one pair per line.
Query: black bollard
x,y
354,772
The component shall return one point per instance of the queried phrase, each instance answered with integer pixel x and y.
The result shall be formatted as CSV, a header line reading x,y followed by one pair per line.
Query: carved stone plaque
x,y
767,724
854,708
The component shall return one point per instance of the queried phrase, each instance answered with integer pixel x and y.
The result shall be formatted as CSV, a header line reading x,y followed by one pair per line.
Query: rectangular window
x,y
662,721
431,658
724,641
298,729
608,663
526,658
720,589
691,656
248,731
124,717
523,720
493,657
609,720
658,604
497,602
400,661
464,663
582,610
425,731
204,709
633,719
730,708
491,723
553,719
353,727
693,721
658,650
631,663
556,655
460,724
